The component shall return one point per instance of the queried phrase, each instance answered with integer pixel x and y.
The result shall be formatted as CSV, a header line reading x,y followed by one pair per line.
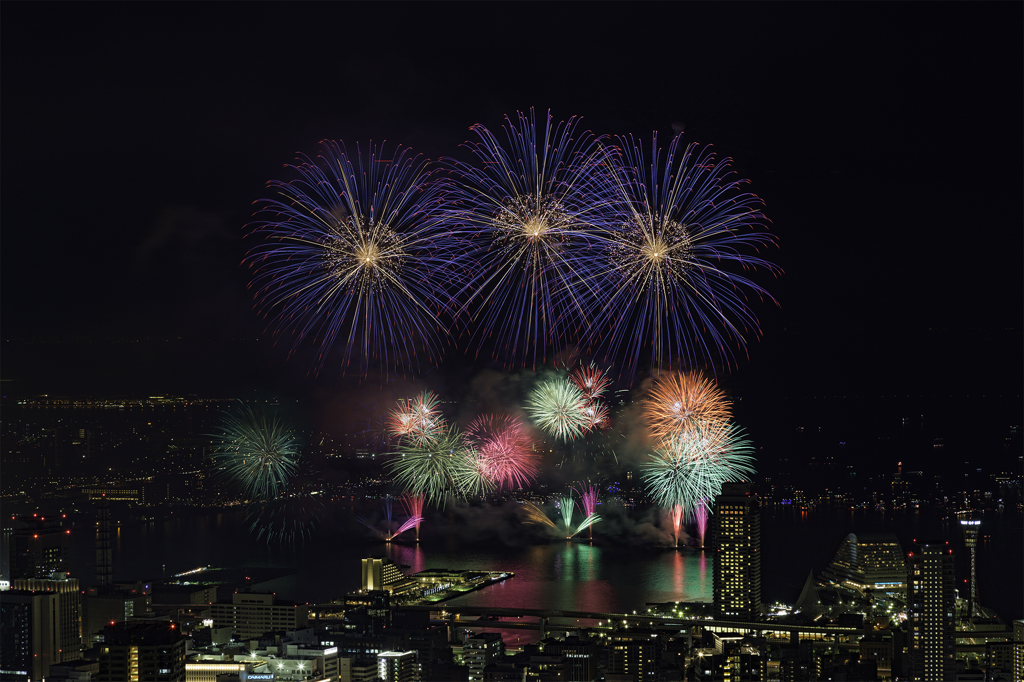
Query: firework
x,y
592,381
414,507
506,450
418,420
586,523
677,521
680,403
684,228
588,498
443,465
690,471
534,227
357,255
566,506
536,515
596,415
256,453
559,408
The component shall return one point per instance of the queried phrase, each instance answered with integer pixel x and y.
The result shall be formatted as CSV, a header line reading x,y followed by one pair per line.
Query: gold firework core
x,y
534,227
367,253
654,248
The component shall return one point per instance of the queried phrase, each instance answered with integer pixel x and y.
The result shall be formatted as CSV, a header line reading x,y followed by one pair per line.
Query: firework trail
x,y
677,522
536,515
680,403
700,516
690,471
596,415
356,255
588,498
445,464
534,223
566,506
414,508
256,453
684,232
559,408
418,419
506,450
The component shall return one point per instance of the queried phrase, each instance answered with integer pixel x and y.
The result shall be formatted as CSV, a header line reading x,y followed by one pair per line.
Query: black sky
x,y
885,139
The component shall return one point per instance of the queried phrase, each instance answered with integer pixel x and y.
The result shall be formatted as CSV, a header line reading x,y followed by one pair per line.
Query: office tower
x,y
250,614
480,651
112,606
39,546
379,572
104,563
970,528
395,666
28,636
931,624
635,653
579,661
67,616
152,651
737,569
869,561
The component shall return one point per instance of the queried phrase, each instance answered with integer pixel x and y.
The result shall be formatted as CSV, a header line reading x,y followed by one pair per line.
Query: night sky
x,y
885,139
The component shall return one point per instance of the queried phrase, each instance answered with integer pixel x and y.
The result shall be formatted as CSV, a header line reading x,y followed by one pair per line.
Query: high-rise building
x,y
148,651
397,666
379,572
39,546
28,634
970,528
251,614
634,653
67,617
931,620
480,651
737,546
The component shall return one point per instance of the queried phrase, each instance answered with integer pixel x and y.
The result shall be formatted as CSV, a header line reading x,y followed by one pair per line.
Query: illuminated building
x,y
379,572
67,619
931,604
38,547
737,545
634,653
135,494
870,561
480,651
394,666
28,636
207,671
970,528
250,614
101,610
577,656
1018,649
151,651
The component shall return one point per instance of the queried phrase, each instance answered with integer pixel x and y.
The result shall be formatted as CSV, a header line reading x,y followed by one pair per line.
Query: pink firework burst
x,y
506,450
590,380
414,507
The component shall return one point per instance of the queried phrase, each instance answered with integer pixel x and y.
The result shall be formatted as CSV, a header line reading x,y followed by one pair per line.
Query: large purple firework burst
x,y
354,254
672,280
533,224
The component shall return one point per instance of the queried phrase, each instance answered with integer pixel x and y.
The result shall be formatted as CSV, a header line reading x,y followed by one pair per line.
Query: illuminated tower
x,y
970,528
38,547
737,570
104,564
931,623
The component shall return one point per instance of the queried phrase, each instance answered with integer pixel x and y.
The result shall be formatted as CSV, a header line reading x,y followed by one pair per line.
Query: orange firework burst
x,y
680,402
